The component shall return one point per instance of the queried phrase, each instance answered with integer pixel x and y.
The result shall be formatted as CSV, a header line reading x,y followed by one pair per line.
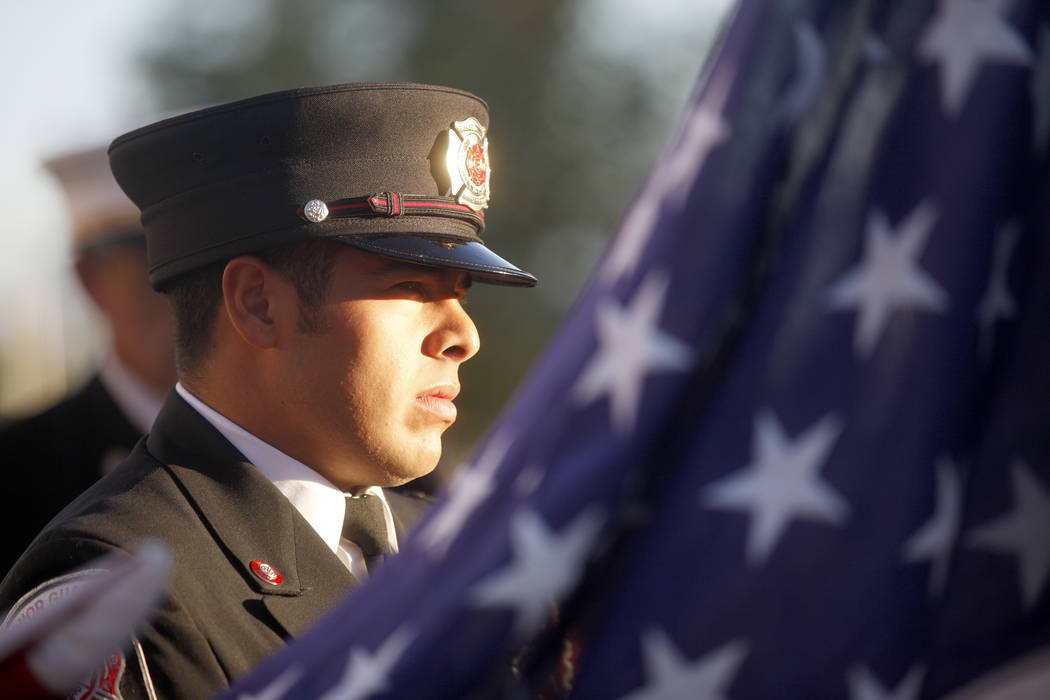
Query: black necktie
x,y
364,524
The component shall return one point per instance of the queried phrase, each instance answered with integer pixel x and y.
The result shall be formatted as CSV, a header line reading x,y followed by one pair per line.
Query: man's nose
x,y
456,337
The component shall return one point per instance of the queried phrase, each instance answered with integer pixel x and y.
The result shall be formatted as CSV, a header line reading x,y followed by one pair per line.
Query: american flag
x,y
793,441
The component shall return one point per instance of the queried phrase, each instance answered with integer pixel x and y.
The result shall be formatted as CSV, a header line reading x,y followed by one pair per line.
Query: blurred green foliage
x,y
580,107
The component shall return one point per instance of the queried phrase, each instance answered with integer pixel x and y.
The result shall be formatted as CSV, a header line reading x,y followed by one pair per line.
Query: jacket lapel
x,y
250,518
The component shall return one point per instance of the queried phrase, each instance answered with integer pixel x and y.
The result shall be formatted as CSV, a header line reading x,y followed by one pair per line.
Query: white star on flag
x,y
933,541
471,486
864,686
810,67
960,38
630,345
782,483
277,689
670,676
875,49
529,480
634,234
703,130
997,302
544,567
888,277
1022,533
1041,91
366,673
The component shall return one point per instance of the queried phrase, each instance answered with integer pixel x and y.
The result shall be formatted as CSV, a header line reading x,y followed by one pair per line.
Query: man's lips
x,y
438,401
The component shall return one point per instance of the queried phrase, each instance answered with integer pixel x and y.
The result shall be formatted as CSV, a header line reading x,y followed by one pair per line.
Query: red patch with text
x,y
104,684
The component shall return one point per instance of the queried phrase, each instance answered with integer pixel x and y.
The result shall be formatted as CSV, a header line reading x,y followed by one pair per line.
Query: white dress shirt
x,y
317,499
139,402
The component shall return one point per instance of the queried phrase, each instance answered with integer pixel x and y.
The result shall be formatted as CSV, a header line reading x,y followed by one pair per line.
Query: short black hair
x,y
196,296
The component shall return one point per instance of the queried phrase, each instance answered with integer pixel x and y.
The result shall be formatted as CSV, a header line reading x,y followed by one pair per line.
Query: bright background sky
x,y
70,79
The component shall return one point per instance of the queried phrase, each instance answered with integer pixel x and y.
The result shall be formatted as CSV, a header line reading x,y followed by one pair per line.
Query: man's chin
x,y
402,473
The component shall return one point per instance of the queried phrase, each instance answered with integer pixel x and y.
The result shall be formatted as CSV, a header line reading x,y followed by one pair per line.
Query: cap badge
x,y
315,211
468,163
266,572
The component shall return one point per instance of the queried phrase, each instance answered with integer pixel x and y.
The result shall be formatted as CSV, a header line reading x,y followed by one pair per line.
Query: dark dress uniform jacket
x,y
188,486
50,458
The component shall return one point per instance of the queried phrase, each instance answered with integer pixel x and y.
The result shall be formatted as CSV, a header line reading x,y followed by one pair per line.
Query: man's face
x,y
374,388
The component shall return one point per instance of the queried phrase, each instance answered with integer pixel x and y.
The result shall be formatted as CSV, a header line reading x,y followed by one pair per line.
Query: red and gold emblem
x,y
104,684
468,163
266,572
477,165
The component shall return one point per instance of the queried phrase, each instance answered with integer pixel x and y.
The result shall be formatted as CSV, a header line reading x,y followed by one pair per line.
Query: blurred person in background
x,y
49,458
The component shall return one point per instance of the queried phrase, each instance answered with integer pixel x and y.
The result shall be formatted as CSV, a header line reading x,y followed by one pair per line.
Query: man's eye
x,y
414,287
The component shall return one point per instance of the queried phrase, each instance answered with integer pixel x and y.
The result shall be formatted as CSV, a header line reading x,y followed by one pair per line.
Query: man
x,y
50,458
315,245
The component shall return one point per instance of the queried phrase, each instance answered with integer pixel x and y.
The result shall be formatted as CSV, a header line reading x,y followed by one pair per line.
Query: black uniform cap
x,y
400,170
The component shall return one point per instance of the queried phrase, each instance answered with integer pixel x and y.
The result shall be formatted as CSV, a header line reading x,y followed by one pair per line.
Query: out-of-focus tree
x,y
576,124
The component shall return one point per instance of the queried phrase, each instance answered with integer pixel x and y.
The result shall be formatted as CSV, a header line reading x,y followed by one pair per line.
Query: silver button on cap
x,y
315,210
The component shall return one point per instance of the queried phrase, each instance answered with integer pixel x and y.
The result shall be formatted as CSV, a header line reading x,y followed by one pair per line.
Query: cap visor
x,y
474,257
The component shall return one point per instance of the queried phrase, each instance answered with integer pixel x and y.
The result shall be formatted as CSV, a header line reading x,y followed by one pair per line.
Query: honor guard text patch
x,y
104,683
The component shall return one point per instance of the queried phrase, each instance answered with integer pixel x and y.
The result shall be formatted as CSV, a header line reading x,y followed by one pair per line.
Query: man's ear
x,y
261,303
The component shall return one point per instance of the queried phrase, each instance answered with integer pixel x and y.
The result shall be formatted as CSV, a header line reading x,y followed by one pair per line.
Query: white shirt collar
x,y
135,399
317,499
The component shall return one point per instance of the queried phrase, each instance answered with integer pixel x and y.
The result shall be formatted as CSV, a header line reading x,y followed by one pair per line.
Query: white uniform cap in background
x,y
99,210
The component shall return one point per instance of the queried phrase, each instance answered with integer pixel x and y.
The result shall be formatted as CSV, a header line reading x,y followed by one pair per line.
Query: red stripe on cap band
x,y
389,204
